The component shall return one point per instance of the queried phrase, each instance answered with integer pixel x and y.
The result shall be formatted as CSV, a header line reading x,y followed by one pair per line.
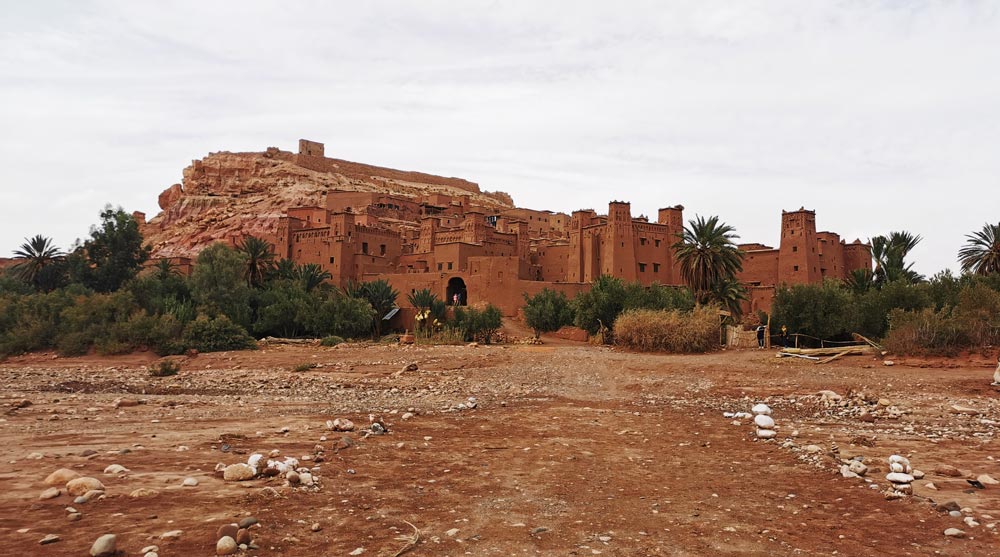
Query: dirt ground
x,y
568,449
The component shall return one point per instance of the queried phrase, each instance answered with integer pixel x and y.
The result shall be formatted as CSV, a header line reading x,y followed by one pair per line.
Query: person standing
x,y
784,336
760,337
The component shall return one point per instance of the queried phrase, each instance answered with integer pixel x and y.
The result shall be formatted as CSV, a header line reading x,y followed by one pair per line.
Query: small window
x,y
795,248
642,267
441,266
364,248
381,249
795,268
656,243
331,260
656,267
642,241
449,265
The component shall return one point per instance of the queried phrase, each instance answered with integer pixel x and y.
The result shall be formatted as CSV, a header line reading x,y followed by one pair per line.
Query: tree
x,y
112,256
600,305
860,281
889,253
38,256
547,311
218,284
981,254
312,275
730,295
707,256
825,311
380,294
422,300
259,260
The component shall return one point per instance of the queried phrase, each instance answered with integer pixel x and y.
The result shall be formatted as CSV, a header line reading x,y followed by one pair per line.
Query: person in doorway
x,y
454,299
760,337
784,336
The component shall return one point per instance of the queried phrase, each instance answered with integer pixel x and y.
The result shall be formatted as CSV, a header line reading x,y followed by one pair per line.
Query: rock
x,y
845,471
293,477
888,363
190,482
954,533
766,433
812,449
970,522
899,478
49,538
316,527
230,530
858,467
829,396
116,469
764,421
897,467
61,477
950,506
948,470
73,517
917,474
143,493
987,479
357,551
341,424
171,535
407,415
247,522
80,486
931,486
451,533
92,494
226,546
243,537
409,367
958,409
238,472
104,546
306,478
50,493
761,409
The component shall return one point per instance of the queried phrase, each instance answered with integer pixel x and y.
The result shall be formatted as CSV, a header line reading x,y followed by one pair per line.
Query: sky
x,y
878,115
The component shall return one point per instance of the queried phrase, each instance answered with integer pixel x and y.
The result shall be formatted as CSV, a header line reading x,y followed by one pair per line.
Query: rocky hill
x,y
227,195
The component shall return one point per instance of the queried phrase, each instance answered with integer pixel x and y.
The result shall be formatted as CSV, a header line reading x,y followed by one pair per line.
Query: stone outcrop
x,y
225,196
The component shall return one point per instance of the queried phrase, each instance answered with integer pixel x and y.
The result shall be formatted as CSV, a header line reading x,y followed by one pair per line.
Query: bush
x,y
924,332
547,311
479,325
600,305
217,334
304,367
164,368
825,311
669,330
332,340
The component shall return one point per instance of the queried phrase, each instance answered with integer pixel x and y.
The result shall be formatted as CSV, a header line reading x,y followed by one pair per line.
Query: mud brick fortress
x,y
477,246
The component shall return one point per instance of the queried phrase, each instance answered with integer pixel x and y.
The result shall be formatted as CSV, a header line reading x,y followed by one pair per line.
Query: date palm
x,y
889,254
707,255
260,260
36,254
312,275
981,254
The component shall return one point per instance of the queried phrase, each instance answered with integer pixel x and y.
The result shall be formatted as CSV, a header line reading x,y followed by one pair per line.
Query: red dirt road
x,y
570,450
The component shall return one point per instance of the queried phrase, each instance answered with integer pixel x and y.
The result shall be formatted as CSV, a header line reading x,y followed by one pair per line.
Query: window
x,y
449,265
642,267
331,260
795,268
656,243
381,249
642,241
364,248
656,267
440,266
795,248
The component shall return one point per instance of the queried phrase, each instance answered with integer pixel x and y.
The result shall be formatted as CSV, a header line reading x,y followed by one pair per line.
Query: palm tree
x,y
889,253
981,254
707,255
730,295
423,300
37,253
312,275
285,269
380,294
260,260
860,280
164,269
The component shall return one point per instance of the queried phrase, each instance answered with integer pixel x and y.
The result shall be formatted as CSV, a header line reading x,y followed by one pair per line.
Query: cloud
x,y
879,115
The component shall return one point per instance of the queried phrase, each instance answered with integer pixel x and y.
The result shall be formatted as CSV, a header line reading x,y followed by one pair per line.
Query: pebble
x,y
947,470
408,415
899,478
73,517
954,533
858,467
49,538
987,479
171,535
61,477
357,551
763,421
316,527
190,482
243,537
116,469
766,433
81,486
761,409
226,546
227,530
150,548
247,522
50,493
238,472
104,546
812,449
451,533
143,493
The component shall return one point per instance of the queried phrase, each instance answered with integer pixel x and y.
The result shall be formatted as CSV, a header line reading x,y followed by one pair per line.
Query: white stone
x,y
451,533
190,482
238,472
897,467
954,533
987,479
764,421
357,551
766,433
970,522
225,546
116,469
899,478
761,408
104,545
858,467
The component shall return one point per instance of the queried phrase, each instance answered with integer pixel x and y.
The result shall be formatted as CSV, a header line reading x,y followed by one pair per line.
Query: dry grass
x,y
669,331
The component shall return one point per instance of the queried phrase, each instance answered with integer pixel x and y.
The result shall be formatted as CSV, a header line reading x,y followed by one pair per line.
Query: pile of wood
x,y
831,353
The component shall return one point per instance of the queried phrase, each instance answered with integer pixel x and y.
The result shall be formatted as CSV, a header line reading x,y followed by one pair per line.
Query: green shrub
x,y
924,332
547,311
164,368
478,325
600,305
206,334
304,367
825,311
332,340
669,330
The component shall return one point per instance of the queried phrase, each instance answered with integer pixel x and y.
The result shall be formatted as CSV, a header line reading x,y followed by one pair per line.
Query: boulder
x,y
238,472
80,486
61,476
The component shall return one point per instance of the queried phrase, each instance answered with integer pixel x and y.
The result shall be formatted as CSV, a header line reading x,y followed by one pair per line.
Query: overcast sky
x,y
880,115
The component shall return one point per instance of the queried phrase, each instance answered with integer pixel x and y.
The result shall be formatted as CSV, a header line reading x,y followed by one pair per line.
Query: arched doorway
x,y
457,294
